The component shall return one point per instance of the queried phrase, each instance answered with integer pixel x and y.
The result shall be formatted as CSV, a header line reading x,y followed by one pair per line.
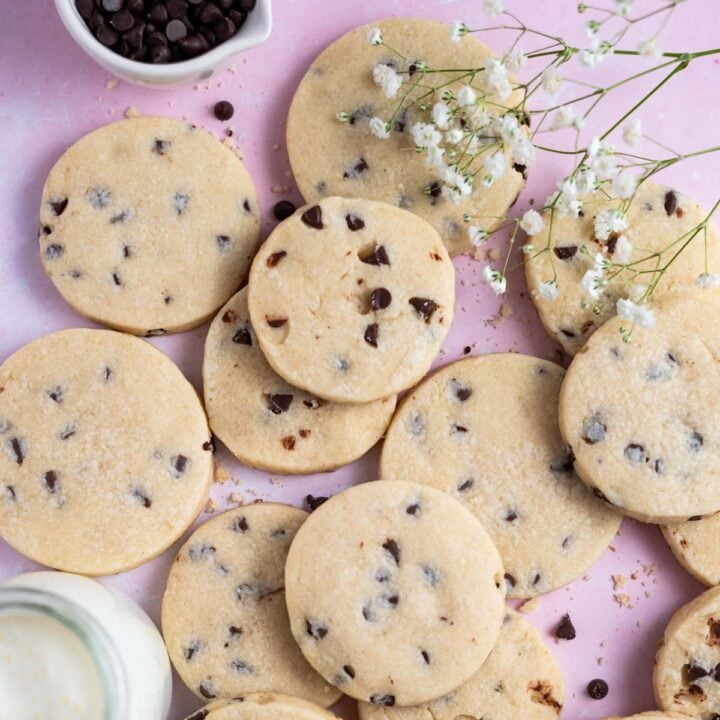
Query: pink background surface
x,y
51,94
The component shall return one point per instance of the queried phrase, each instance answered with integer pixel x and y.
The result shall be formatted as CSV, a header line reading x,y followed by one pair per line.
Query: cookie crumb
x,y
619,581
221,473
237,498
279,189
132,112
210,506
623,600
112,83
530,606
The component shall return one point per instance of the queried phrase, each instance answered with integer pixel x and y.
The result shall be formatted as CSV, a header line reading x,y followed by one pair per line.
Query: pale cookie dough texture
x,y
658,216
262,706
329,157
685,677
485,431
643,417
105,452
652,715
224,617
696,545
395,592
520,679
148,225
351,300
269,424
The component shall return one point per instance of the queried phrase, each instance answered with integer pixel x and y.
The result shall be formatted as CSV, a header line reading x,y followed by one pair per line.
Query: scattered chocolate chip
x,y
275,258
384,700
140,496
358,168
192,649
377,257
670,202
288,442
565,629
275,322
424,307
207,690
594,430
522,170
223,110
17,450
242,336
278,403
380,298
180,465
223,242
314,502
312,217
597,689
356,223
371,334
566,252
393,549
54,251
460,391
283,209
635,453
240,524
58,206
316,629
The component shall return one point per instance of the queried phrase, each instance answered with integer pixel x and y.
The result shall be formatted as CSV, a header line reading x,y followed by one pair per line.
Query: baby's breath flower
x,y
495,166
599,147
343,116
508,127
623,251
551,81
478,235
516,60
496,79
528,249
441,115
466,96
435,156
479,117
523,152
638,314
604,167
375,36
707,281
495,279
591,28
637,292
623,8
632,131
590,57
608,222
387,79
379,128
564,117
532,222
457,30
593,282
454,136
585,181
548,290
493,7
623,185
425,135
649,48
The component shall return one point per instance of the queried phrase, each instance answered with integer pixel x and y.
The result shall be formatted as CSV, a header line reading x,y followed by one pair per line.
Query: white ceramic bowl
x,y
255,31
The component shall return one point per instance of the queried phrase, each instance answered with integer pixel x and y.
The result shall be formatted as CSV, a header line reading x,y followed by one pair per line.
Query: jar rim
x,y
88,630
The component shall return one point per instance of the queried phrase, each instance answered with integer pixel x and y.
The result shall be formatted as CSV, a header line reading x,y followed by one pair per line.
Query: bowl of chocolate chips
x,y
158,43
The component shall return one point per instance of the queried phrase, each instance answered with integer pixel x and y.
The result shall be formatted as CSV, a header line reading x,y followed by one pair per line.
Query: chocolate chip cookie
x,y
224,617
262,706
269,424
329,157
105,452
696,546
520,679
148,225
395,592
643,417
350,300
485,431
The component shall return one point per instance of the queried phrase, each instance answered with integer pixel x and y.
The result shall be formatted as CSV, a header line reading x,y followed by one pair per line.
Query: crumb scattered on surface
x,y
210,506
236,498
276,146
276,481
221,473
504,312
112,83
279,189
530,606
132,112
623,600
619,581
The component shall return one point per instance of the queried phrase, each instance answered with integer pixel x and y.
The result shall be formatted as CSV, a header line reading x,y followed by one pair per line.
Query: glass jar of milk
x,y
71,649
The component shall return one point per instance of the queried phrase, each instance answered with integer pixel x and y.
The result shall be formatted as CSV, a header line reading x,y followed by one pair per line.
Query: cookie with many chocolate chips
x,y
658,216
148,225
520,679
105,452
395,592
266,422
485,431
687,666
224,618
262,706
643,417
350,300
344,158
696,545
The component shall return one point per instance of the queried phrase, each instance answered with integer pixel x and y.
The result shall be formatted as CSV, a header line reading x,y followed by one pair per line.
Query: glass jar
x,y
72,649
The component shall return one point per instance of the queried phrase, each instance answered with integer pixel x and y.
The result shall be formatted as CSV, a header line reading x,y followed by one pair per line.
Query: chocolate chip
x,y
692,672
455,428
371,334
349,670
354,224
313,403
368,614
567,542
54,251
425,656
594,430
612,243
180,202
121,217
160,54
670,202
465,485
520,169
536,579
16,447
393,549
431,575
155,332
380,298
275,322
460,391
223,110
313,502
312,217
275,258
207,690
597,689
695,442
242,336
511,516
424,307
242,668
433,191
140,496
240,524
50,481
180,465
67,432
391,600
358,168
564,465
224,28
566,252
635,453
192,649
377,257
384,700
106,35
175,30
56,394
58,206
209,445
99,198
316,629
116,279
413,509
278,403
565,629
509,580
122,20
246,206
223,242
283,209
288,442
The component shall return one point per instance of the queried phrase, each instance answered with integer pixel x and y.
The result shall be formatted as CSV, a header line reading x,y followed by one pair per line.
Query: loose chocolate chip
x,y
240,524
460,391
54,251
99,198
509,580
283,209
223,110
670,202
465,485
695,442
192,649
377,257
635,453
371,334
50,481
122,20
275,258
314,502
380,298
312,217
393,548
207,690
354,224
358,168
597,689
384,700
594,430
316,629
278,403
140,496
242,336
565,629
180,465
106,35
566,252
58,206
275,322
424,307
288,442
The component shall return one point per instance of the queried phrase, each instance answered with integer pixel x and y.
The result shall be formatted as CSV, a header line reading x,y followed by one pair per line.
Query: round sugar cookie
x,y
395,592
696,545
485,431
105,452
224,618
262,706
652,715
269,424
329,157
685,675
351,300
520,679
643,417
658,216
148,225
